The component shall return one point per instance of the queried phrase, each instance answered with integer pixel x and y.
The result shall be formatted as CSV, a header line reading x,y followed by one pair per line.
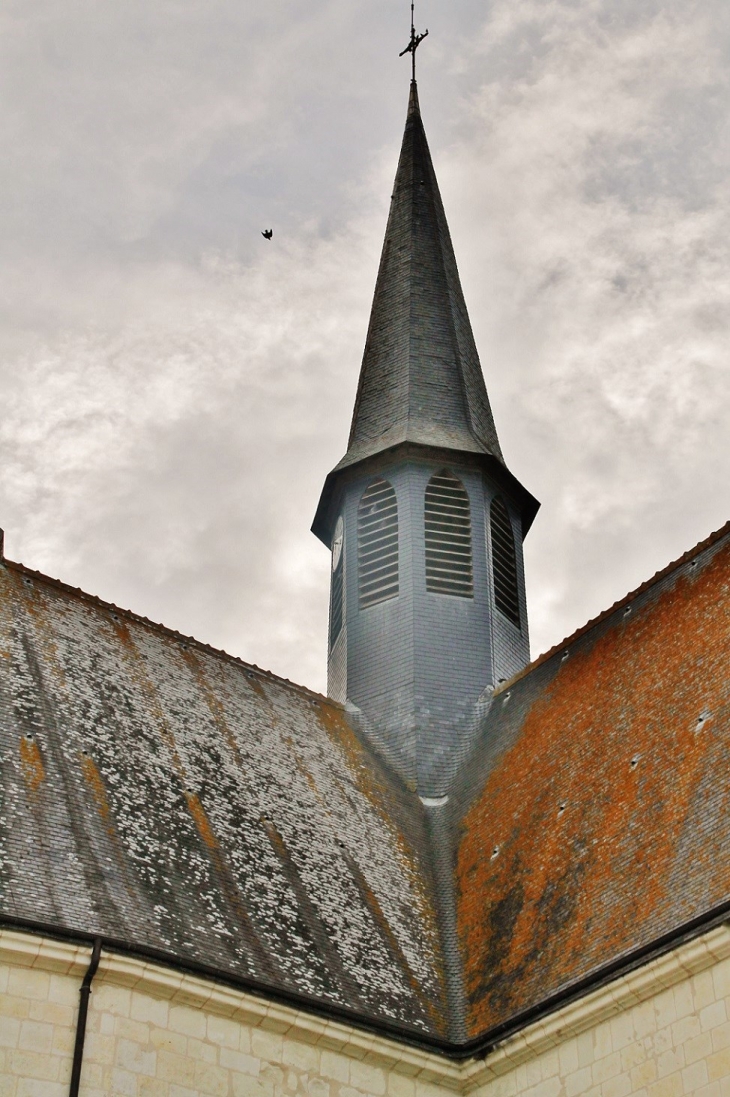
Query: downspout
x,y
84,992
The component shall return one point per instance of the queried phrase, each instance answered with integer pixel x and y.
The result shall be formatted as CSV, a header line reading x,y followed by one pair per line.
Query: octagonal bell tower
x,y
423,517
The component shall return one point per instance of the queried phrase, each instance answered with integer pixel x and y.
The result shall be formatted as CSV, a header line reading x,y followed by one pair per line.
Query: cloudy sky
x,y
173,389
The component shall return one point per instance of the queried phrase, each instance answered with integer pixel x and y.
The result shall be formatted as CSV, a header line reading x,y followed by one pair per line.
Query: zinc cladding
x,y
173,799
420,380
593,817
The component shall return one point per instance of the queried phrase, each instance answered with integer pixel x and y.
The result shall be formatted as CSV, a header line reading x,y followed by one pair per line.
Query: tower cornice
x,y
343,474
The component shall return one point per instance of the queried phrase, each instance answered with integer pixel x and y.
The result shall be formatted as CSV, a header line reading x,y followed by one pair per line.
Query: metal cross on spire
x,y
413,45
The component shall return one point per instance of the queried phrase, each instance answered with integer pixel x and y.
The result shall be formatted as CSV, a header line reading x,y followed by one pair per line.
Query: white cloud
x,y
174,454
174,389
592,175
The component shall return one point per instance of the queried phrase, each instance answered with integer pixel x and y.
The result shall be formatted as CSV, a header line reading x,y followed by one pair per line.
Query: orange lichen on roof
x,y
201,820
31,764
95,783
604,822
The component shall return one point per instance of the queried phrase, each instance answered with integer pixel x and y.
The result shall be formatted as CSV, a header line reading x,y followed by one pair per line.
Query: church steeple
x,y
420,381
424,518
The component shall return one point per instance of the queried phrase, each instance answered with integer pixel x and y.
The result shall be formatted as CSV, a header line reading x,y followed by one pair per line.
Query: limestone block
x,y
189,1022
25,983
224,1032
303,1057
211,1079
703,990
698,1047
618,1086
333,1065
644,1074
202,1051
31,1064
371,1080
694,1077
36,1036
9,1031
670,1061
165,1040
175,1068
240,1062
244,1086
400,1086
718,1065
713,1016
145,1008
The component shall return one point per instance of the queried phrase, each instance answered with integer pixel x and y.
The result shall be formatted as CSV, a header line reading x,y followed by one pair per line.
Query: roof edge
x,y
323,523
657,577
404,1034
156,626
477,1047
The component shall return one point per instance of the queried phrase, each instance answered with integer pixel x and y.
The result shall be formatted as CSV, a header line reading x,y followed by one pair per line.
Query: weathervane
x,y
413,45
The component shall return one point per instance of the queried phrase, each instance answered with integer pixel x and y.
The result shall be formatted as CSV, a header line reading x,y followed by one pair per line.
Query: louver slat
x,y
377,544
504,562
448,537
336,603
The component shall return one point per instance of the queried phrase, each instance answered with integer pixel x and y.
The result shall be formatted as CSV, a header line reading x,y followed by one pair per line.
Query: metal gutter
x,y
305,1003
84,992
477,1048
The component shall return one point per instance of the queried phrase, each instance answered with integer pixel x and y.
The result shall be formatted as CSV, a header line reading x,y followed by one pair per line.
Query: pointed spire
x,y
421,380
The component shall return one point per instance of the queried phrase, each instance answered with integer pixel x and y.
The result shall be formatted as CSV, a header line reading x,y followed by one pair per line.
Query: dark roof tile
x,y
160,793
420,379
595,809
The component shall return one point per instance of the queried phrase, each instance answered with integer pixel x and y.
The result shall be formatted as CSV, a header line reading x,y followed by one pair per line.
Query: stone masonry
x,y
662,1032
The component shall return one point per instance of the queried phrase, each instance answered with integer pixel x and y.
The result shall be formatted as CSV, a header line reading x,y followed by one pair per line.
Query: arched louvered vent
x,y
504,562
336,590
336,605
377,544
448,537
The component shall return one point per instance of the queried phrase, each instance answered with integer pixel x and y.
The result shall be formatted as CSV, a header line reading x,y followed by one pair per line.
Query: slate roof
x,y
169,797
421,382
594,815
420,379
178,801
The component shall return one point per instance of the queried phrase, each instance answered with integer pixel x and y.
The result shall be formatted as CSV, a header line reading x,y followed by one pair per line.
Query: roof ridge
x,y
157,626
712,539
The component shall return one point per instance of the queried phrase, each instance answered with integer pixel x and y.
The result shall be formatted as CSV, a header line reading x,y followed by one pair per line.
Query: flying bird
x,y
267,234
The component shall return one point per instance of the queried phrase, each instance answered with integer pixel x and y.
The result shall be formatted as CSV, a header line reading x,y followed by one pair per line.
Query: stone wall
x,y
663,1031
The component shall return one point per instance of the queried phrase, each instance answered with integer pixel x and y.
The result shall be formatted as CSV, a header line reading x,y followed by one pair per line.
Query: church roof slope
x,y
164,795
179,802
595,813
420,379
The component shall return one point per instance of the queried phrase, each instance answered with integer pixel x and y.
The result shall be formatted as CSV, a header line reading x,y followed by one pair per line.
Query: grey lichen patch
x,y
153,794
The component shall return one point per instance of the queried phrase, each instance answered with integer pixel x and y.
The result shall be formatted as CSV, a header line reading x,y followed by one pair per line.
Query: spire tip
x,y
413,45
413,106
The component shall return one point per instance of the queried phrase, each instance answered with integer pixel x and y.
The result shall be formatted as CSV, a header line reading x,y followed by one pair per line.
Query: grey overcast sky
x,y
174,389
